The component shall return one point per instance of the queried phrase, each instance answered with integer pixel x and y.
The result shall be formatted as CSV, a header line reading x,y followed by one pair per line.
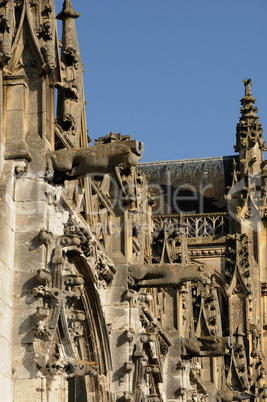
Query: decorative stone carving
x,y
151,369
44,31
93,160
6,28
60,292
49,57
205,346
80,368
229,396
48,9
137,298
245,195
153,398
67,122
169,243
72,94
70,57
127,396
238,258
129,335
169,275
4,24
71,368
4,58
100,262
249,130
21,166
128,367
34,3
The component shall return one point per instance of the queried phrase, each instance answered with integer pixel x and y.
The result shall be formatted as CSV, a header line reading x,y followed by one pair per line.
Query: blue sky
x,y
170,72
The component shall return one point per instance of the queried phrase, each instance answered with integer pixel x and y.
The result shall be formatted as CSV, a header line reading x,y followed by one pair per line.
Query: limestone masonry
x,y
120,280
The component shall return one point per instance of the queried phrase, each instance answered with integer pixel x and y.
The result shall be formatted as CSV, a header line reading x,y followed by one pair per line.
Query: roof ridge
x,y
189,160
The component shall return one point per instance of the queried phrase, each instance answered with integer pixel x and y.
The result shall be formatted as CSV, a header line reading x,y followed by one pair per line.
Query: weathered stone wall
x,y
7,250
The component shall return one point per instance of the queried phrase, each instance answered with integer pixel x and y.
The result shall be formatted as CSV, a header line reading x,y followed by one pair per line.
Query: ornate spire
x,y
245,192
249,129
71,104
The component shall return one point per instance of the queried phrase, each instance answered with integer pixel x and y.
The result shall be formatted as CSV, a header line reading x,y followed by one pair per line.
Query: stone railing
x,y
195,225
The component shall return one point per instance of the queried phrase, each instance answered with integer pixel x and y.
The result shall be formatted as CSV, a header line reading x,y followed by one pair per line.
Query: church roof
x,y
189,185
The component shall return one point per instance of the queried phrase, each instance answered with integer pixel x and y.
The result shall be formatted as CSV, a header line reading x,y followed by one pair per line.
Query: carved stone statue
x,y
98,159
169,275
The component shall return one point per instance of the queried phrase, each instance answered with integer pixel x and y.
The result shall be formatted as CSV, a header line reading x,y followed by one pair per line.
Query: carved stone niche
x,y
15,89
71,58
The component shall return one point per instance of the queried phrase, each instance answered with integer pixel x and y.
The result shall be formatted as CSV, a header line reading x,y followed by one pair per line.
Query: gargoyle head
x,y
136,152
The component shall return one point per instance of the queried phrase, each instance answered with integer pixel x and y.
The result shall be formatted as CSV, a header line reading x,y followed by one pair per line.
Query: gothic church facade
x,y
120,280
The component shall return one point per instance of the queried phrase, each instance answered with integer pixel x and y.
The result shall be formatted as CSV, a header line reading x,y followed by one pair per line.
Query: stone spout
x,y
206,346
169,275
229,396
97,159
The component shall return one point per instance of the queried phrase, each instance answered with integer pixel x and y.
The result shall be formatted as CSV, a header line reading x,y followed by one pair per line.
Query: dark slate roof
x,y
189,185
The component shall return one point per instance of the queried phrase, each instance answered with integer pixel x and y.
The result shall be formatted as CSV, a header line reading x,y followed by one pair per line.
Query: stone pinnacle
x,y
67,11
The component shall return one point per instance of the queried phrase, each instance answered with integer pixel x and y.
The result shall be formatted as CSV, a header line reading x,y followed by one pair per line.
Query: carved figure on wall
x,y
169,275
94,160
70,89
49,57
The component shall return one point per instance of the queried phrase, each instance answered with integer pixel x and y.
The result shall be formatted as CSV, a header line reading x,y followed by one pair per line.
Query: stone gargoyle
x,y
97,159
229,396
206,346
169,275
69,367
77,369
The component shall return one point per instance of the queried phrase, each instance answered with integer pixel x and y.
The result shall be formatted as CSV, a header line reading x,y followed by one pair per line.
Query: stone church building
x,y
120,280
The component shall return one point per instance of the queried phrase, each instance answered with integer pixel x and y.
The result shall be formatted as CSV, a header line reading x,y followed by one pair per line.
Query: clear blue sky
x,y
170,72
